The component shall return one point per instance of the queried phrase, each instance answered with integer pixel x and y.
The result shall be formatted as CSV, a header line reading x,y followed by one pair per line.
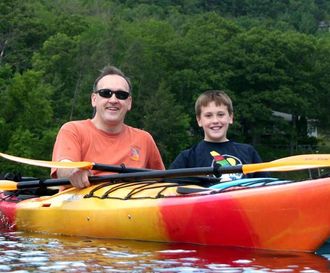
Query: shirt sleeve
x,y
180,161
154,159
67,145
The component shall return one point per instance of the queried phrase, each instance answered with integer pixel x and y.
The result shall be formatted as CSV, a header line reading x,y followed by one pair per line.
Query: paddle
x,y
9,185
285,164
296,162
81,165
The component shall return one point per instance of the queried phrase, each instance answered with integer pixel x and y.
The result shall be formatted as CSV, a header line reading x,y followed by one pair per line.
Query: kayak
x,y
252,213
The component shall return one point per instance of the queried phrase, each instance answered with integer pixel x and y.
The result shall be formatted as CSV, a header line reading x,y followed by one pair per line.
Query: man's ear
x,y
129,106
93,99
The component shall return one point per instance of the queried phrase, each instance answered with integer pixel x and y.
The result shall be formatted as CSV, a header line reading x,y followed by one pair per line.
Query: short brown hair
x,y
218,96
112,70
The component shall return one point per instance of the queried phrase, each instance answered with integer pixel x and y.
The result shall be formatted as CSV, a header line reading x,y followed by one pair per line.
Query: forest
x,y
268,55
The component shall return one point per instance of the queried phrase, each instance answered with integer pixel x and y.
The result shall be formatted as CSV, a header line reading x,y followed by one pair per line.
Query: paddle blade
x,y
320,158
7,185
293,163
49,164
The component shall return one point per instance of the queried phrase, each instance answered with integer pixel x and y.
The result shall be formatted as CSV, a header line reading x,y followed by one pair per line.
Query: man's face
x,y
111,111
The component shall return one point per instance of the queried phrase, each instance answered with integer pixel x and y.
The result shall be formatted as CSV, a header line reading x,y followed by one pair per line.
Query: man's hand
x,y
78,178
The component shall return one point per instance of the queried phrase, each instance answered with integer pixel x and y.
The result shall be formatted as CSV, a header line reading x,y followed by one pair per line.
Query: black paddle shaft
x,y
174,173
117,168
216,170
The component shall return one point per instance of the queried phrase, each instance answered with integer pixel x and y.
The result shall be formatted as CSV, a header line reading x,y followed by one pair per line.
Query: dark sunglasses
x,y
107,93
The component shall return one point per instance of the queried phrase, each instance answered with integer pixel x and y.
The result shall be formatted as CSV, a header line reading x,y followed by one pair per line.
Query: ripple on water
x,y
119,254
4,267
60,266
20,253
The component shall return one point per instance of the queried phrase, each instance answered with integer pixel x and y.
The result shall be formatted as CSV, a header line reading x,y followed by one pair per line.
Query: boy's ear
x,y
231,119
198,121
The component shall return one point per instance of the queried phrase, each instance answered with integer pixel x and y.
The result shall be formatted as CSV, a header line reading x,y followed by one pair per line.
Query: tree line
x,y
268,55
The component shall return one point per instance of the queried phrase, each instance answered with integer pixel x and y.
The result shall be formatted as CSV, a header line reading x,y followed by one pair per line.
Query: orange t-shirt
x,y
82,141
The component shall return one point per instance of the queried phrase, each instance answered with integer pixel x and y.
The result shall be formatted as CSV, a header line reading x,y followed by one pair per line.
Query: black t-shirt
x,y
228,153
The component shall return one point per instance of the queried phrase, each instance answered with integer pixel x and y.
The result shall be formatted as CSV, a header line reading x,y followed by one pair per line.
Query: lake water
x,y
22,252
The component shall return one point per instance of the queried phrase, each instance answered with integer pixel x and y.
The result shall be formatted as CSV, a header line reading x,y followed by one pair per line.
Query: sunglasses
x,y
107,93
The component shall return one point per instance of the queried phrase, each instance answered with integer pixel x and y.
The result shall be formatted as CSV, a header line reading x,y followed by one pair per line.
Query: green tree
x,y
165,118
321,81
302,14
26,118
24,26
58,61
197,59
144,58
272,71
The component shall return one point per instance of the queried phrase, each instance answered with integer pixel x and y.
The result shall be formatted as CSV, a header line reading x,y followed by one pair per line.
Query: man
x,y
105,138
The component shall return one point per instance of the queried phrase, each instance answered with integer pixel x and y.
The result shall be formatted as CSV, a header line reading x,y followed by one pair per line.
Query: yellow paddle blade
x,y
7,185
49,164
306,157
292,163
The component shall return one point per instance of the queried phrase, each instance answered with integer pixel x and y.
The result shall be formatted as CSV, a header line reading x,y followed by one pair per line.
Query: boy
x,y
214,113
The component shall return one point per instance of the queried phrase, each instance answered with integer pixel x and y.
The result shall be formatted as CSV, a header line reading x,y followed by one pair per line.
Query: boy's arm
x,y
180,161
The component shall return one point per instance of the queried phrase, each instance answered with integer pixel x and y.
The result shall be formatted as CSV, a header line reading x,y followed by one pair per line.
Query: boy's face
x,y
215,121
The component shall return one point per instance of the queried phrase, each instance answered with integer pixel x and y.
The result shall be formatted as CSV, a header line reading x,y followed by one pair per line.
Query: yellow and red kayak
x,y
292,216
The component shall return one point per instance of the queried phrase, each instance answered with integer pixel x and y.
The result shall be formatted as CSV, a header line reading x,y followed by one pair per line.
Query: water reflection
x,y
21,252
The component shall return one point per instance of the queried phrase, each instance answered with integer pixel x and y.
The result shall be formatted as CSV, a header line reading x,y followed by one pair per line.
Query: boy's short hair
x,y
218,96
